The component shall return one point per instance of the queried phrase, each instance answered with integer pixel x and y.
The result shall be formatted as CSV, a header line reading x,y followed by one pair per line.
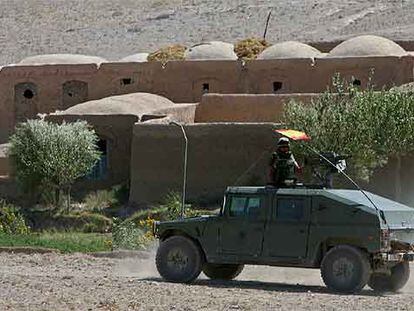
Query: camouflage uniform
x,y
282,166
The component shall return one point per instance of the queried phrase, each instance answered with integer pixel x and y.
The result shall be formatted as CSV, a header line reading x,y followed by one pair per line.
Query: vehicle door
x,y
241,232
286,234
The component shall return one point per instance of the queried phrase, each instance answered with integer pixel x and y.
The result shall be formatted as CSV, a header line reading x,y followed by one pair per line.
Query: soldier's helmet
x,y
283,142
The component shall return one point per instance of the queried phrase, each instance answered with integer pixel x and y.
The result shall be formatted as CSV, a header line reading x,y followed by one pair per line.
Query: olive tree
x,y
370,126
50,156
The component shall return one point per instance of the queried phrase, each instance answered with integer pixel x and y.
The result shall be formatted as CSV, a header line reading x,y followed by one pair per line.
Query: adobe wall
x,y
245,107
117,131
4,166
28,90
219,155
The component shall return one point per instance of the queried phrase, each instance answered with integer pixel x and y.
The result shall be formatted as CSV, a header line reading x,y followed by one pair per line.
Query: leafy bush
x,y
126,235
369,126
11,221
99,200
49,156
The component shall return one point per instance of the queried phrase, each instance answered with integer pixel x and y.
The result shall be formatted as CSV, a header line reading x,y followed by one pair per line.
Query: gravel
x,y
117,28
82,282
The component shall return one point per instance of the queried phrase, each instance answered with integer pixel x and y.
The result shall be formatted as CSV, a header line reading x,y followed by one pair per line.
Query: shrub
x,y
99,200
49,156
11,221
126,235
75,221
369,126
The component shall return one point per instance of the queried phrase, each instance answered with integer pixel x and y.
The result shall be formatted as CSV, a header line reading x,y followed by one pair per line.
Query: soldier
x,y
283,165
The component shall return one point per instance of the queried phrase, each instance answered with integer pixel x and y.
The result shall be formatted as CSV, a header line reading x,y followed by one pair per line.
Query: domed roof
x,y
289,49
135,104
214,50
367,45
57,59
135,58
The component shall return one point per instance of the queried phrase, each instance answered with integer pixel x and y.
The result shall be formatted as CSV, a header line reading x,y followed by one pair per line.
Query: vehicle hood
x,y
397,215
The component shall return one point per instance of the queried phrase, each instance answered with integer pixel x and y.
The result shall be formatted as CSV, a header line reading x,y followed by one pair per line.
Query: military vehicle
x,y
354,238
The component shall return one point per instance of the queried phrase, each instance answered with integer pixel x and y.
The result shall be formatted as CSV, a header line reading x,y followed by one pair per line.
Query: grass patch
x,y
67,242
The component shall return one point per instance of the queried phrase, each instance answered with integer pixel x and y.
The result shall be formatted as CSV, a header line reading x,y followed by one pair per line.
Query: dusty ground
x,y
81,282
116,28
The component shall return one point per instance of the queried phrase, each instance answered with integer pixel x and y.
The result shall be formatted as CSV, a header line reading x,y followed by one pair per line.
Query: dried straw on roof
x,y
250,48
168,53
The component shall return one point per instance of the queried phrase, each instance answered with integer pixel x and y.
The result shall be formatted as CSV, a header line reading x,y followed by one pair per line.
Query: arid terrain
x,y
82,282
114,29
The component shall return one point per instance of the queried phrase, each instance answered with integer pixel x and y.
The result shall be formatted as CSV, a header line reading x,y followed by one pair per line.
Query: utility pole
x,y
185,166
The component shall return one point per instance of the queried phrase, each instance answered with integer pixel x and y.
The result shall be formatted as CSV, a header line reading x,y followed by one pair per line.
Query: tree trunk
x,y
398,188
68,200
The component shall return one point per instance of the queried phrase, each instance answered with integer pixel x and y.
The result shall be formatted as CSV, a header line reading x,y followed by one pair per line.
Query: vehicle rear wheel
x,y
222,271
345,269
393,282
179,259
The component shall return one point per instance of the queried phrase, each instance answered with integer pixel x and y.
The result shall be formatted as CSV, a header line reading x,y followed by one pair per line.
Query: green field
x,y
67,242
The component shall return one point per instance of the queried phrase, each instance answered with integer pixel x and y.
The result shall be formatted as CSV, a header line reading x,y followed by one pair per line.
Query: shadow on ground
x,y
269,286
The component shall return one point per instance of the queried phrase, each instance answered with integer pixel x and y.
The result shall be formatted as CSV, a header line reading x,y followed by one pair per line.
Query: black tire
x,y
345,269
399,276
222,271
179,260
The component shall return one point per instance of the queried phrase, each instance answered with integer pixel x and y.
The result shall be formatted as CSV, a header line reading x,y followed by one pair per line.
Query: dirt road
x,y
116,28
82,282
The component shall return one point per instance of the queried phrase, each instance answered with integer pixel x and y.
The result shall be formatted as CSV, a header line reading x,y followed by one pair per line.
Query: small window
x,y
126,81
206,87
290,209
28,94
237,206
356,82
277,86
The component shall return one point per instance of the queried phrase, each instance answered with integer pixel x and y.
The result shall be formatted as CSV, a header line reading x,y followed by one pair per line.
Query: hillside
x,y
116,28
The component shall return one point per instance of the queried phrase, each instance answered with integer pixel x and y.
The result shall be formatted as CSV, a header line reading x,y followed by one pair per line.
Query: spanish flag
x,y
294,135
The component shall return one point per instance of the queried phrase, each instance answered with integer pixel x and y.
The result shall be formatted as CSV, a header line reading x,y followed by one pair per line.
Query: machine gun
x,y
325,165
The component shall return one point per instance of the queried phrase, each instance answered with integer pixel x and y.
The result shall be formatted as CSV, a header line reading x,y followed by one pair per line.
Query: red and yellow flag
x,y
294,135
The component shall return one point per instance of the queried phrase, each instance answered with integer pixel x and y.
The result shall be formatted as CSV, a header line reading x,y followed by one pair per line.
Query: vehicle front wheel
x,y
392,282
345,269
222,271
179,260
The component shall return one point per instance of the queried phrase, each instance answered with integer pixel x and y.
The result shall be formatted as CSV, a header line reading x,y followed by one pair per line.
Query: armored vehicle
x,y
341,232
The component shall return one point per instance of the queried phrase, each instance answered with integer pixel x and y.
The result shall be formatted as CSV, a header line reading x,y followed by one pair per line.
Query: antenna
x,y
380,213
267,24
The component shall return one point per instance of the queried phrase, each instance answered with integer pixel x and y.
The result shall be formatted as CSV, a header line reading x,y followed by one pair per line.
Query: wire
x,y
380,214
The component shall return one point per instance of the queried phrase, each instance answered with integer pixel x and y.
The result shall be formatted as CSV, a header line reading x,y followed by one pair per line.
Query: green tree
x,y
370,126
49,156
